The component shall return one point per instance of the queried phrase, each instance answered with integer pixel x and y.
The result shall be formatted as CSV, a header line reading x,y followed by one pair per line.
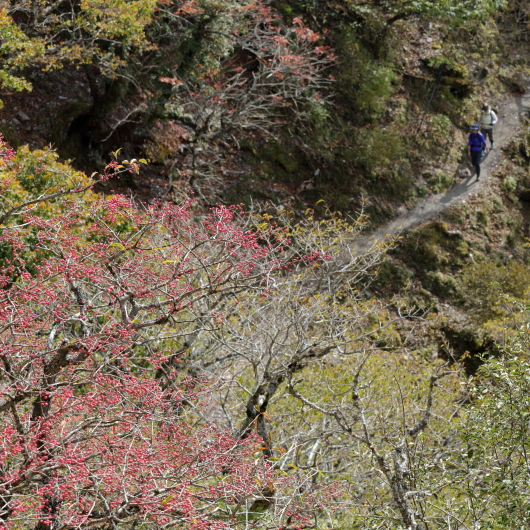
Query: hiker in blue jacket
x,y
475,145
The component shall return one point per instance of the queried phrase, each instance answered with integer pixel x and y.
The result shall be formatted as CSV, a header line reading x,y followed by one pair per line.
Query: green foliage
x,y
284,8
433,248
422,191
393,275
442,127
379,148
486,282
440,182
375,89
116,20
366,85
443,285
393,393
451,11
278,153
456,79
319,113
509,184
104,32
495,480
34,174
450,67
365,79
483,217
17,51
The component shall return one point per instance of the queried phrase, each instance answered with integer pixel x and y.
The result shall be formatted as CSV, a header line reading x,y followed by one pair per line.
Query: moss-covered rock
x,y
443,285
278,153
455,75
433,247
393,275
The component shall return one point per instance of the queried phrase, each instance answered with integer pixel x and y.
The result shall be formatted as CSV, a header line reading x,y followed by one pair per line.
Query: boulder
x,y
22,116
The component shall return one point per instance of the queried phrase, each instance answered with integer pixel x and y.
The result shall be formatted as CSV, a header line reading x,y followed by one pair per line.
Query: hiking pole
x,y
430,99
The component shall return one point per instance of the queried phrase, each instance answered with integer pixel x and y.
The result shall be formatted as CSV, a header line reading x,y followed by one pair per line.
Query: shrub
x,y
374,90
509,184
379,148
440,182
33,174
486,282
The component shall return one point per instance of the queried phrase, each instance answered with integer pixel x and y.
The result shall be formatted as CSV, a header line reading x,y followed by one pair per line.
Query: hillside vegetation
x,y
189,337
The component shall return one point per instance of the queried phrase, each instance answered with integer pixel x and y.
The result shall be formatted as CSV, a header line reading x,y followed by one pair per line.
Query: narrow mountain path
x,y
511,114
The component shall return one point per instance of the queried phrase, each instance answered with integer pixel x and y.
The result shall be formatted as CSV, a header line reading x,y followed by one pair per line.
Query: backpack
x,y
474,138
489,113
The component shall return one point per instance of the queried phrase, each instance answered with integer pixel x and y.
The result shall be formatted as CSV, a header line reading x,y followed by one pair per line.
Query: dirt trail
x,y
511,113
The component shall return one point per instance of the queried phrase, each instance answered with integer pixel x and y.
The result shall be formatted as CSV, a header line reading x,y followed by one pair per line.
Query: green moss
x,y
455,217
380,148
440,182
450,67
284,8
456,76
246,145
462,249
393,275
422,191
509,185
378,214
485,282
374,90
277,153
497,203
279,162
442,285
433,248
318,114
366,76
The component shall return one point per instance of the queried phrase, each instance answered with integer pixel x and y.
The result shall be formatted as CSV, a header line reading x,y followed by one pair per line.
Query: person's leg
x,y
475,160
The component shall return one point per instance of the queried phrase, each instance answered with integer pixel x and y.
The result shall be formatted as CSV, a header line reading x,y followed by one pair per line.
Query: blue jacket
x,y
476,141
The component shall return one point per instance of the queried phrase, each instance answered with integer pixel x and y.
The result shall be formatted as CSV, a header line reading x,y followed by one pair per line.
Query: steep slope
x,y
512,112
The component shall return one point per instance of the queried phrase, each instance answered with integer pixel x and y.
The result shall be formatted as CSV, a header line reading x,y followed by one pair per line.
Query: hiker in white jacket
x,y
488,119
